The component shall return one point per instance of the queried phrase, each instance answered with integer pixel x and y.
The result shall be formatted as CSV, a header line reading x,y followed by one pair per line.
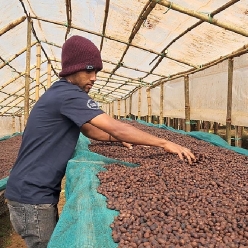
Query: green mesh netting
x,y
85,219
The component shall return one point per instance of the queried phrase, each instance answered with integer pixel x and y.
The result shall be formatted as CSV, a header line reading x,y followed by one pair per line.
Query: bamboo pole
x,y
149,105
175,123
229,101
13,124
125,102
16,103
104,22
216,127
109,109
161,116
20,123
68,16
225,6
187,105
206,126
238,136
114,39
27,75
130,106
38,63
237,53
119,109
21,74
198,125
204,17
139,104
49,69
12,25
17,97
16,55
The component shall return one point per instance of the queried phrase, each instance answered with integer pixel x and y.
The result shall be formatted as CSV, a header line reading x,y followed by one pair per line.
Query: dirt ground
x,y
9,238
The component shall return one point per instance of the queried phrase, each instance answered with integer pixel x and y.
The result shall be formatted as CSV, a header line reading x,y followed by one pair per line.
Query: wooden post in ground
x,y
216,127
187,106
27,72
149,105
125,111
20,123
130,106
119,109
229,101
238,136
49,68
38,63
13,124
161,119
139,104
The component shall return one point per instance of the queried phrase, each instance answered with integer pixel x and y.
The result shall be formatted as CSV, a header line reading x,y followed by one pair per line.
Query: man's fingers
x,y
190,156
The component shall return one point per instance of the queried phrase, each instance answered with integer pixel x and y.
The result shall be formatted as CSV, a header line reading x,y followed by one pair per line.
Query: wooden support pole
x,y
49,69
112,104
13,124
27,74
20,123
12,25
125,113
206,126
38,63
161,116
187,106
175,123
229,101
216,127
130,106
139,103
109,109
203,17
119,109
238,136
149,105
198,125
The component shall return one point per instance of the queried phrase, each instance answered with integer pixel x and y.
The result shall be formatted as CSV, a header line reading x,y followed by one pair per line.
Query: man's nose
x,y
93,76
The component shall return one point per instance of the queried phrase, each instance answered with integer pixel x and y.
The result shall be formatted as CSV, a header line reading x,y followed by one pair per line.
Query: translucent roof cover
x,y
142,43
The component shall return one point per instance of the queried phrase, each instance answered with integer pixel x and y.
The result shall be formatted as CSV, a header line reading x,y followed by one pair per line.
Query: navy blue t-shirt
x,y
48,142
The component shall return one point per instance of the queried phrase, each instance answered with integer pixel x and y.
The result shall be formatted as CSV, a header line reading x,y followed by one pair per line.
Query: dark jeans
x,y
35,223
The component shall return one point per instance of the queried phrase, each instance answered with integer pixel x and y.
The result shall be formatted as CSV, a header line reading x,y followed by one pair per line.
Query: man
x,y
51,135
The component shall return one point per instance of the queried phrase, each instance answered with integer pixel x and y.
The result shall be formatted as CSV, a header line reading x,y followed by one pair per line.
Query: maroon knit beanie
x,y
79,53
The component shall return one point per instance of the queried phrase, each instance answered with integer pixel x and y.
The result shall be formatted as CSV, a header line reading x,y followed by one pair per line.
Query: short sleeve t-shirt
x,y
48,142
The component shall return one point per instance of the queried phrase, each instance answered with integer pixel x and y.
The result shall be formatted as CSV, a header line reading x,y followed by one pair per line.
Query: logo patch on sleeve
x,y
92,104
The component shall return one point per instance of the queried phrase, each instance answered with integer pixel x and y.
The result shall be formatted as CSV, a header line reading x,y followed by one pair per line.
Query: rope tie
x,y
120,64
168,8
210,18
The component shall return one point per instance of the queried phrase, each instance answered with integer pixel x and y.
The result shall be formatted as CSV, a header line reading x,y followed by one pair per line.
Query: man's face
x,y
85,79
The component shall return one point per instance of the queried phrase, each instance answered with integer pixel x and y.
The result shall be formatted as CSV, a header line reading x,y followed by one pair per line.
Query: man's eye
x,y
91,71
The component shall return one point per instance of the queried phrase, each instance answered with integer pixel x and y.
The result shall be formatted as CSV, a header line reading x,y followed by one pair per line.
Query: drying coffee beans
x,y
168,203
8,149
